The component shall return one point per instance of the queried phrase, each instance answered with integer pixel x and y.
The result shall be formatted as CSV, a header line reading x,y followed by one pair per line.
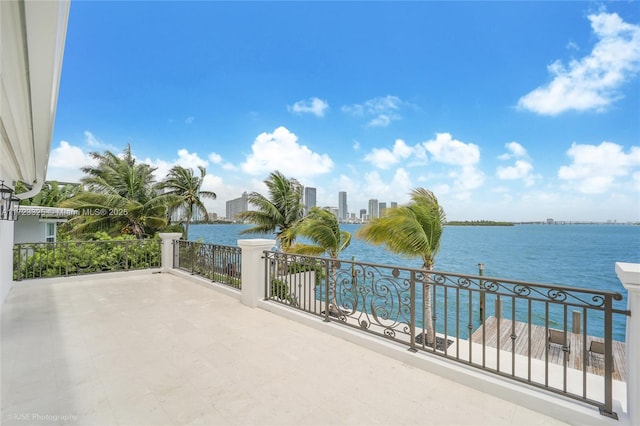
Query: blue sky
x,y
506,110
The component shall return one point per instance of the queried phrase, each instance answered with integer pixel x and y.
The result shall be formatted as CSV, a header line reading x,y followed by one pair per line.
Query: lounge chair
x,y
596,348
557,337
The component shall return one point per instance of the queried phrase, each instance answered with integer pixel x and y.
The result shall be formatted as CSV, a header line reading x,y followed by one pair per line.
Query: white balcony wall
x,y
32,38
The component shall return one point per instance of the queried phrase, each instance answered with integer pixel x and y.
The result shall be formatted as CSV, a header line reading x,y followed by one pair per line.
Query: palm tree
x,y
278,213
322,229
51,194
185,187
413,230
116,215
120,197
120,175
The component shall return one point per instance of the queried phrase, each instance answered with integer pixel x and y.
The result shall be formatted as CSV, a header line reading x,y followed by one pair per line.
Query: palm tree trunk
x,y
334,309
431,334
186,229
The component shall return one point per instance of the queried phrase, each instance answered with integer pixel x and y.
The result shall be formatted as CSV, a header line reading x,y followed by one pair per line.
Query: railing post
x,y
19,266
166,249
482,294
412,325
608,358
253,271
66,261
126,255
192,250
327,286
629,275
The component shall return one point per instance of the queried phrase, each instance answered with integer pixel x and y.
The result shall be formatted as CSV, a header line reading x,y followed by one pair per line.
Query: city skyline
x,y
342,212
536,118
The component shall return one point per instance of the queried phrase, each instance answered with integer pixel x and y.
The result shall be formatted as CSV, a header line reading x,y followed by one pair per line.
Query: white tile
x,y
160,350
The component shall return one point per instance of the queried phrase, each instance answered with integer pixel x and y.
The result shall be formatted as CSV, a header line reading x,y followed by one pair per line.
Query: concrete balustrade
x,y
253,273
253,292
166,251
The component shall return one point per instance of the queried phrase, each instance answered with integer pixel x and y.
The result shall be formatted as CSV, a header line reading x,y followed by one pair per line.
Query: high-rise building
x,y
381,208
394,204
363,213
309,199
373,209
237,206
342,206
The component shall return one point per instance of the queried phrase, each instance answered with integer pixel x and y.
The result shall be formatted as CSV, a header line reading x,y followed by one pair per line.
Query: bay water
x,y
574,255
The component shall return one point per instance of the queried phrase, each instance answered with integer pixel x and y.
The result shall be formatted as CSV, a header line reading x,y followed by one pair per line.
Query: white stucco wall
x,y
29,229
6,258
33,37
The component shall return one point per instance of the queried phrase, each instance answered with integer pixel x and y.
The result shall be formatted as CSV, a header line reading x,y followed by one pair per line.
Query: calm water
x,y
574,255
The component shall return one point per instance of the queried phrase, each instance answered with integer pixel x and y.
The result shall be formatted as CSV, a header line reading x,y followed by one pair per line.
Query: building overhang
x,y
32,38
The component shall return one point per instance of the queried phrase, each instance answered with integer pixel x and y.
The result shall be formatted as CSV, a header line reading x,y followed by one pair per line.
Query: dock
x,y
538,343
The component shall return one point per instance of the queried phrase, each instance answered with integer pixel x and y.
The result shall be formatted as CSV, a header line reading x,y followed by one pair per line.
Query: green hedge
x,y
42,260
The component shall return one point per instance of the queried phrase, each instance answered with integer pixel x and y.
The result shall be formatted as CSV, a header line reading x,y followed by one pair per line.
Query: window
x,y
50,232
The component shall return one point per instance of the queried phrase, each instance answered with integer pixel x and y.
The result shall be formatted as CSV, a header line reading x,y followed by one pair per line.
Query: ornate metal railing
x,y
65,258
537,334
221,264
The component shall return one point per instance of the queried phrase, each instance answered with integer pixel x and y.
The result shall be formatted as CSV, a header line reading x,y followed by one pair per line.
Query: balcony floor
x,y
157,349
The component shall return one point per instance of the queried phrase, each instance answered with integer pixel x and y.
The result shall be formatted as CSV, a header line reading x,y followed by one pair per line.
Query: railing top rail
x,y
89,242
206,244
484,278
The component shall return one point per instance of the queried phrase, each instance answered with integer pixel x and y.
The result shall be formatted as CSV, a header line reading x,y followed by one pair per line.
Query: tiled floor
x,y
155,349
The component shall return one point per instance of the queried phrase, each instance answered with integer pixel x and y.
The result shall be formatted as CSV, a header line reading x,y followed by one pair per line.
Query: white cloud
x,y
572,45
383,120
467,178
635,177
522,168
91,140
401,183
162,167
65,162
382,110
382,189
384,158
191,160
445,149
185,159
189,120
281,151
595,168
592,82
95,144
211,183
465,156
356,145
313,106
229,166
441,189
515,150
215,158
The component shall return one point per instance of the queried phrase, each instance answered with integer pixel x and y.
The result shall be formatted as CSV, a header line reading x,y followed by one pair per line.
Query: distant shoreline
x,y
473,223
478,223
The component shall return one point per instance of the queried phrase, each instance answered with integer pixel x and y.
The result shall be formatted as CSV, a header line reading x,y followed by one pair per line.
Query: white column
x,y
6,249
166,251
253,275
629,275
